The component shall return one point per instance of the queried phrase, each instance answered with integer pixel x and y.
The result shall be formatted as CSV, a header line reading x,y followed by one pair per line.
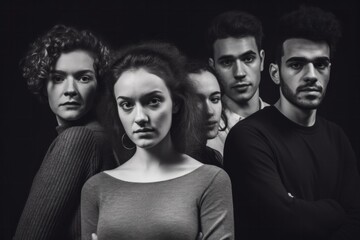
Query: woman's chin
x,y
146,144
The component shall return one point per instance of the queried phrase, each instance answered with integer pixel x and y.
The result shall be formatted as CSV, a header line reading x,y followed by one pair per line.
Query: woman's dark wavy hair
x,y
310,23
46,50
197,66
167,62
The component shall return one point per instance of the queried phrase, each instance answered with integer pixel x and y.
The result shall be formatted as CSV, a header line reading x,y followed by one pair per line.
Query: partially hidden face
x,y
208,89
238,63
145,107
304,72
72,86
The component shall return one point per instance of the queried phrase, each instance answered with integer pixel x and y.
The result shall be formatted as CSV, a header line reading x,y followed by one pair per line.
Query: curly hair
x,y
167,62
310,23
235,24
46,50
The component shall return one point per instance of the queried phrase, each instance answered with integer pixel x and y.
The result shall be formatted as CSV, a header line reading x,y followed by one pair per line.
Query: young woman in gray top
x,y
160,192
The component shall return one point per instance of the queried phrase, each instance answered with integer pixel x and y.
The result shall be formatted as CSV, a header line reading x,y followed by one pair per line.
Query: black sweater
x,y
290,181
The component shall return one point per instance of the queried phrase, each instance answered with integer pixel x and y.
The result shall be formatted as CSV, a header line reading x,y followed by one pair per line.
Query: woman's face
x,y
145,107
72,85
208,89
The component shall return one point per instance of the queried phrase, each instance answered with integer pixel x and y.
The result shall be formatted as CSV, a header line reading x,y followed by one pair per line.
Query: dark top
x,y
291,181
52,210
208,155
179,208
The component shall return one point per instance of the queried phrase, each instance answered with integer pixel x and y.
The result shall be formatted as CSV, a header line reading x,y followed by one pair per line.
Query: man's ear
x,y
211,63
274,73
262,59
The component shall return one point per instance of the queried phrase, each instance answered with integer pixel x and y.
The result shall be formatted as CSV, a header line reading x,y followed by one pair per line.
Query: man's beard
x,y
302,103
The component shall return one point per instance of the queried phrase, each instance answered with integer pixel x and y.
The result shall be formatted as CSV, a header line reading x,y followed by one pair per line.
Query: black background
x,y
27,127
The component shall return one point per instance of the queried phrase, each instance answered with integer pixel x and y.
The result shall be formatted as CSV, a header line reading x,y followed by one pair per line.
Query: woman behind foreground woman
x,y
65,68
209,92
160,192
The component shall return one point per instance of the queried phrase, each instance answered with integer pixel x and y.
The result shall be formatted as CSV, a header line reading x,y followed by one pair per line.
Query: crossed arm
x,y
263,206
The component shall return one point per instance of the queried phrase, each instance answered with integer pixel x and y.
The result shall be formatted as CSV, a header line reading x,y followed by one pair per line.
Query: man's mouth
x,y
310,89
241,85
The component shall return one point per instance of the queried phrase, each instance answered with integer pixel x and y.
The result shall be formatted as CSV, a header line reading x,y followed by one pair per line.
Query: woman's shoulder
x,y
208,171
214,172
74,145
210,156
206,168
97,180
89,132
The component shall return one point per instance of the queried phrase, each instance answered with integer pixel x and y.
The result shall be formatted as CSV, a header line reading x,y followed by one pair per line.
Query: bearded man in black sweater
x,y
294,174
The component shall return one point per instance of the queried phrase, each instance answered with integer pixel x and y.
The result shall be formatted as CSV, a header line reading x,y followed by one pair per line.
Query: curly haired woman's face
x,y
145,107
72,86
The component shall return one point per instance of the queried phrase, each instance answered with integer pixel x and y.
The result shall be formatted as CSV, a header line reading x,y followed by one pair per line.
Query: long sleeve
x,y
216,213
89,210
53,203
263,205
350,193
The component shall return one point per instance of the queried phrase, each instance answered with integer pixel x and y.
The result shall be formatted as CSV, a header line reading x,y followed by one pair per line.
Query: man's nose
x,y
310,72
239,70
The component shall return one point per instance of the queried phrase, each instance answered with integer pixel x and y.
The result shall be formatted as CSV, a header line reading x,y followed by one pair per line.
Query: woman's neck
x,y
161,155
159,163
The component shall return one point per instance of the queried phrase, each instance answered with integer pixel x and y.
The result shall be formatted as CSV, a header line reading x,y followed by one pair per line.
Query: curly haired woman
x,y
65,68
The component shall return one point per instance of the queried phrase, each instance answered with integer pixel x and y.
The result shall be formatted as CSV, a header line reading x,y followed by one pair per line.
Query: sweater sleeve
x,y
216,213
89,209
262,205
350,193
55,193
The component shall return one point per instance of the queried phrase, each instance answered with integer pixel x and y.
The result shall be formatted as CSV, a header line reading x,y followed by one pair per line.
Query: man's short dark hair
x,y
234,24
310,23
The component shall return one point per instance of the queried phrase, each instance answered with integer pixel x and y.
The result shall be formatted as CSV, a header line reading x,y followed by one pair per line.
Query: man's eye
x,y
296,65
226,63
321,65
249,59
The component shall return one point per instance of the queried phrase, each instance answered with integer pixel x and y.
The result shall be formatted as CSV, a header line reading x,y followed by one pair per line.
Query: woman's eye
x,y
154,102
215,99
85,78
57,78
126,106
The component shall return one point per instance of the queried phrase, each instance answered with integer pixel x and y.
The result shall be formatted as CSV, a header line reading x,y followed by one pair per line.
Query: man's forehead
x,y
299,47
234,46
